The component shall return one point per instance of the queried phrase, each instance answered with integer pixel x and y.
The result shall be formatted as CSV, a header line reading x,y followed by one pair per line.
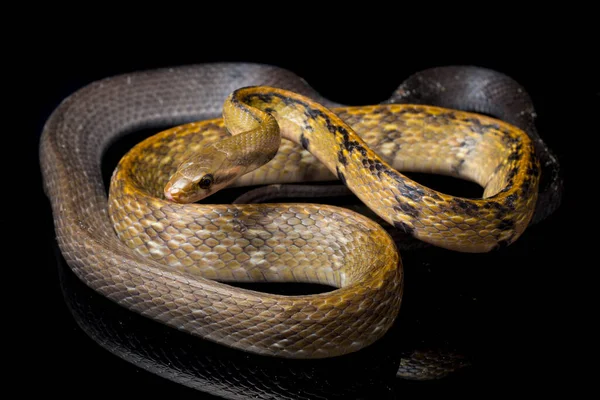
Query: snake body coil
x,y
279,241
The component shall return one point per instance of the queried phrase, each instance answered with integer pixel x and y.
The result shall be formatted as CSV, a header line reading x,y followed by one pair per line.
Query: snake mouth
x,y
176,191
167,191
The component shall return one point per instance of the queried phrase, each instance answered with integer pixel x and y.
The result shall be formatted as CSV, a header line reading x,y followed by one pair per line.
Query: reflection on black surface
x,y
483,307
221,371
233,374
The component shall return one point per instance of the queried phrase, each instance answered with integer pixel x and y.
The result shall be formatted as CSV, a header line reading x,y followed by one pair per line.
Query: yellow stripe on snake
x,y
309,242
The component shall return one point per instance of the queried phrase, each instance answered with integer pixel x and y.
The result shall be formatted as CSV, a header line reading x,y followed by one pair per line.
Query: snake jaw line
x,y
186,184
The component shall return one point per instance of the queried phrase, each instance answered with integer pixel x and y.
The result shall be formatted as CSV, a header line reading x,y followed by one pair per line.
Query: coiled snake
x,y
281,241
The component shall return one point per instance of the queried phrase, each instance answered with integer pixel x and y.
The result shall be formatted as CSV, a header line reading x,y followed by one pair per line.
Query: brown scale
x,y
317,243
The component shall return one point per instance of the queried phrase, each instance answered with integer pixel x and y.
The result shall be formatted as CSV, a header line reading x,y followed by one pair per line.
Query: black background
x,y
353,64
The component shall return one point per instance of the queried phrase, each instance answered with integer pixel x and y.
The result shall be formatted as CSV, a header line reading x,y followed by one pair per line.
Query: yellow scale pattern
x,y
317,243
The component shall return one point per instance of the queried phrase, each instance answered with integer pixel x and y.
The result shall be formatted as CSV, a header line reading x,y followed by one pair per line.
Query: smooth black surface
x,y
518,314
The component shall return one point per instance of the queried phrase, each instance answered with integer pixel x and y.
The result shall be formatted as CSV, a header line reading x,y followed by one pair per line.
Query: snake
x,y
179,277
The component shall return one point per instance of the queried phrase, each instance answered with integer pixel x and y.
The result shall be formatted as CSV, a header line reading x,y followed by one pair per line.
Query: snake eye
x,y
206,181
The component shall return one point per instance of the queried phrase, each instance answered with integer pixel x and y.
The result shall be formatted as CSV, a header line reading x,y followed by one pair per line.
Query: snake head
x,y
201,175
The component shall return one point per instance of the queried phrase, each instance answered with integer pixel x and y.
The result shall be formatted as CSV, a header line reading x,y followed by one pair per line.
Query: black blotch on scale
x,y
405,208
476,126
309,112
457,167
263,97
506,224
340,175
404,227
304,141
461,205
510,200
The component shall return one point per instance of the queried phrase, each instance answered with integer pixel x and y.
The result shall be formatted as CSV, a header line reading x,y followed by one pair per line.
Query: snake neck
x,y
300,120
255,135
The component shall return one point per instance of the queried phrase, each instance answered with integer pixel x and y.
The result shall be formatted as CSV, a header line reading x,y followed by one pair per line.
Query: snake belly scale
x,y
163,274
